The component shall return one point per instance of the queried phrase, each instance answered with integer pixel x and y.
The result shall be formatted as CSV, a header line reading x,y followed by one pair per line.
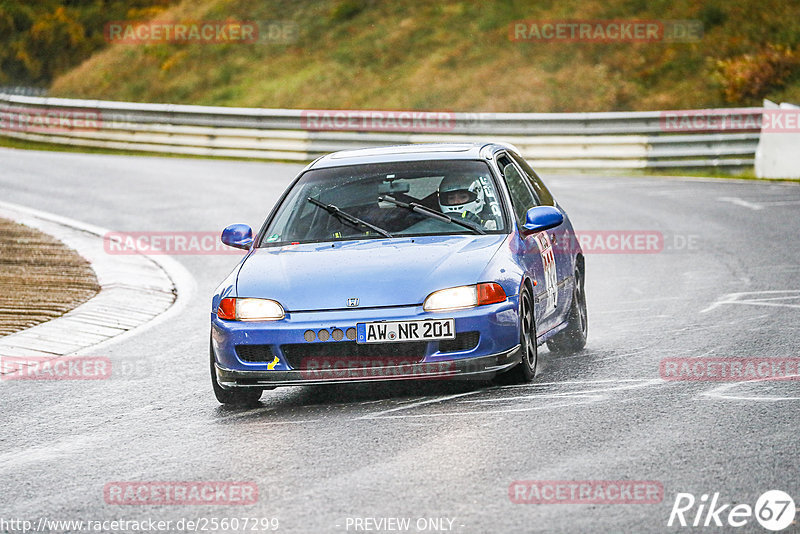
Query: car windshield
x,y
398,199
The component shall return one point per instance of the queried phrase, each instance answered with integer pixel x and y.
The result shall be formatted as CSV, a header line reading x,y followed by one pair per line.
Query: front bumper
x,y
496,349
482,367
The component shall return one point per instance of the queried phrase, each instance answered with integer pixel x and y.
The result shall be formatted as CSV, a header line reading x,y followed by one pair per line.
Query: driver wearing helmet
x,y
464,197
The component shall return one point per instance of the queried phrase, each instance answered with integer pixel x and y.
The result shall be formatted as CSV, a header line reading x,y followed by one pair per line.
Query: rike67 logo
x,y
774,510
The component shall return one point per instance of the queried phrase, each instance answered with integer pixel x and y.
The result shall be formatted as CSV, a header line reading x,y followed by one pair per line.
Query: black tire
x,y
573,338
525,370
235,397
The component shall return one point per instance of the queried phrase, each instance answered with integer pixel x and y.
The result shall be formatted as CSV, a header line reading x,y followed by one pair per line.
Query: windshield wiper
x,y
428,212
352,219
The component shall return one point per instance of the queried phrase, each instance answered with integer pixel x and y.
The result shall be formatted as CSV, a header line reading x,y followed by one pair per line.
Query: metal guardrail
x,y
612,140
23,90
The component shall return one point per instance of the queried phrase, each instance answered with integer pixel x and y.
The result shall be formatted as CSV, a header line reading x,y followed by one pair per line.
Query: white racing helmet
x,y
459,194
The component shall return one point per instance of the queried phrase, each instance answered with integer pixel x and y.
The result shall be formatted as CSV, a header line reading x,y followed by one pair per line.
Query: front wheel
x,y
526,369
236,397
573,338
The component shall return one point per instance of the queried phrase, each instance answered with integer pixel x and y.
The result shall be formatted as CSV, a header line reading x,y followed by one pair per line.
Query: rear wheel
x,y
526,369
236,397
573,338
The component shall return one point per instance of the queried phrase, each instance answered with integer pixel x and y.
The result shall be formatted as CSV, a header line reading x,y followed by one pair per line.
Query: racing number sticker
x,y
549,264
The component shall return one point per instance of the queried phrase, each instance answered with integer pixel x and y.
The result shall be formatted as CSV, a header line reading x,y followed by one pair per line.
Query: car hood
x,y
381,272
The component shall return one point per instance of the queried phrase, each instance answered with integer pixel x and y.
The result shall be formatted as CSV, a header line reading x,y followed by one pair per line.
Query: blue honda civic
x,y
442,261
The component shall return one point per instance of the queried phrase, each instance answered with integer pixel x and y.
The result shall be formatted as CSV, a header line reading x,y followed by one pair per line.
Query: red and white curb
x,y
136,291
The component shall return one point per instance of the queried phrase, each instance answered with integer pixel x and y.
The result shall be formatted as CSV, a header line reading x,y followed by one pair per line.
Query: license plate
x,y
395,331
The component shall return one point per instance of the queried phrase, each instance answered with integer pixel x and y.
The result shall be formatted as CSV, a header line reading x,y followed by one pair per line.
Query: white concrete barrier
x,y
778,152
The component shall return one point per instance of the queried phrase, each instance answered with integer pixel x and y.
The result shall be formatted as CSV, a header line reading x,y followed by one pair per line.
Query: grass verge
x,y
40,278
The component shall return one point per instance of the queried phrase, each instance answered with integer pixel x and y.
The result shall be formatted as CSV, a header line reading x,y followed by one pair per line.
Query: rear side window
x,y
545,197
522,198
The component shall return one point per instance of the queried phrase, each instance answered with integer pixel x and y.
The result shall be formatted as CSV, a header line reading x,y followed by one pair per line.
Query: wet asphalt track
x,y
322,455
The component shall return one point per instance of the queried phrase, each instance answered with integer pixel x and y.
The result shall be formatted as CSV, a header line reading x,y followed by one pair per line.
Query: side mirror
x,y
541,218
238,236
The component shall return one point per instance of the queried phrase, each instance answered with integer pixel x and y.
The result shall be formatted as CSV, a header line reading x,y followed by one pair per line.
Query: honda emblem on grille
x,y
352,302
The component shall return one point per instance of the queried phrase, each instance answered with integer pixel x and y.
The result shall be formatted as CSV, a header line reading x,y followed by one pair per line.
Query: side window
x,y
521,196
545,197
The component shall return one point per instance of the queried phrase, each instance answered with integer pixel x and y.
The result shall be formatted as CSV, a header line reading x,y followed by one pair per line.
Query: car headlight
x,y
248,309
456,298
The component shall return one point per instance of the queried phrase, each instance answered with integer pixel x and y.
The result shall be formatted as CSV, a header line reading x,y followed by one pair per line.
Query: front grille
x,y
298,355
255,353
463,341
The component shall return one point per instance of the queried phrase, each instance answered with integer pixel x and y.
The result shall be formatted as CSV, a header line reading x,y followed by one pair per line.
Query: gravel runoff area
x,y
40,278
